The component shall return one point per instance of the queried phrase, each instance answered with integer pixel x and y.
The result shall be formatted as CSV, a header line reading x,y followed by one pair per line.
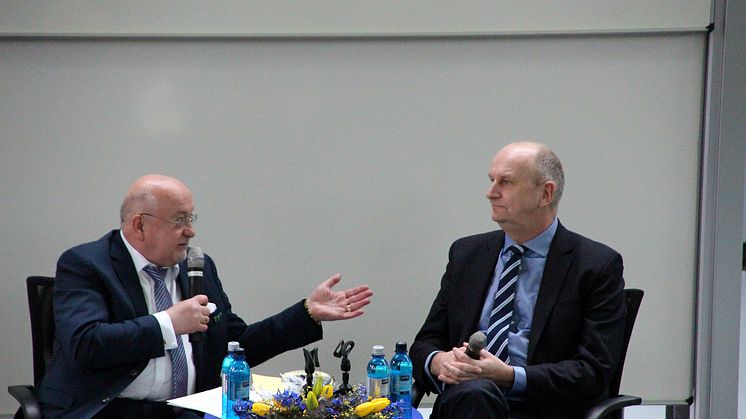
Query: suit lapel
x,y
555,271
183,281
125,270
484,270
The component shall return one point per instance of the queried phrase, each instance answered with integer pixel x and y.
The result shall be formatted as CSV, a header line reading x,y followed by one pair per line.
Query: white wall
x,y
361,133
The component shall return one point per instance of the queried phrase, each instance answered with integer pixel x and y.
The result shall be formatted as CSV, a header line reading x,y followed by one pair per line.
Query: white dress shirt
x,y
154,383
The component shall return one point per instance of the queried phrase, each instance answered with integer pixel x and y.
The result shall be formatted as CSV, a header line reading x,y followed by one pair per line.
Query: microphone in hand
x,y
476,344
195,264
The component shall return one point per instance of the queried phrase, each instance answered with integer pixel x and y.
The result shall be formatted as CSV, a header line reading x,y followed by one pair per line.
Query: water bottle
x,y
224,369
401,380
378,374
239,382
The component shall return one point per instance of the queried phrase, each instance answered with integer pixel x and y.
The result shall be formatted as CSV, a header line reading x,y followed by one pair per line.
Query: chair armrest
x,y
609,405
26,397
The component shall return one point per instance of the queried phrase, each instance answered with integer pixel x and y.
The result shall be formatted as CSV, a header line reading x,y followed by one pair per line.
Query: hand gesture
x,y
325,304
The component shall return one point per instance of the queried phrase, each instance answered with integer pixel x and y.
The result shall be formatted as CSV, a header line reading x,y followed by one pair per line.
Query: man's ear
x,y
137,226
547,195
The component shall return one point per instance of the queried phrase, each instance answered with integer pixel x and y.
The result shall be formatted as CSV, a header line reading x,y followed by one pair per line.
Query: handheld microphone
x,y
476,344
195,263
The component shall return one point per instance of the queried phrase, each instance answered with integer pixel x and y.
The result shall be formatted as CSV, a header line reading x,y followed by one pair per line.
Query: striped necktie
x,y
501,316
178,356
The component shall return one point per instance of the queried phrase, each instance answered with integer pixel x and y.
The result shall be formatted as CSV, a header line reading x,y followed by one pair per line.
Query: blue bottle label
x,y
240,390
402,384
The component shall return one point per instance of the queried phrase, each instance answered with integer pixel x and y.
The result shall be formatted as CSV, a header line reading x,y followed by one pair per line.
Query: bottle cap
x,y
401,346
377,349
233,346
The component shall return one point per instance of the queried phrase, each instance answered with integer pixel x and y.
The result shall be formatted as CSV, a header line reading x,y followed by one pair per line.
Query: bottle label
x,y
402,384
378,387
240,390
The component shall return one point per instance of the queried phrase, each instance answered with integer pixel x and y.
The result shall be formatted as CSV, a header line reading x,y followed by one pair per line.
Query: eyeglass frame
x,y
183,221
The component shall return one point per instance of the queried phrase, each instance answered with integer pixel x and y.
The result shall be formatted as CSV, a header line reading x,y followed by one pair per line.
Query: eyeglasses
x,y
182,221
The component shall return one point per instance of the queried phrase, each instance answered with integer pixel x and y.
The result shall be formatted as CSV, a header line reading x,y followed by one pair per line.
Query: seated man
x,y
122,315
550,302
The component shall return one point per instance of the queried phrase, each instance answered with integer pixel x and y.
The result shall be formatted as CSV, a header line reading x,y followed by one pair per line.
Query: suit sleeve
x,y
85,309
289,329
585,338
434,334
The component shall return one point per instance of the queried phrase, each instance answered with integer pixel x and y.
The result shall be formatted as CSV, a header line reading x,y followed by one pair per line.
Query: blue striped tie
x,y
178,356
501,315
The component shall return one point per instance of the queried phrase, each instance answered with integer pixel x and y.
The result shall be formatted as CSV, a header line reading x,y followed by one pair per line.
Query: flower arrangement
x,y
319,402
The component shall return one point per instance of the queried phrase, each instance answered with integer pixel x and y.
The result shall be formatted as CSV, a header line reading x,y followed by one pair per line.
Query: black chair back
x,y
634,299
40,290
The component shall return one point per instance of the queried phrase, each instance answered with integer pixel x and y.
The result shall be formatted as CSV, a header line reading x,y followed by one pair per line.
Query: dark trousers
x,y
145,409
481,399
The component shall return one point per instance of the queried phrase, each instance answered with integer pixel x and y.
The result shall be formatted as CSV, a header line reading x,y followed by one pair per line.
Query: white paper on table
x,y
211,401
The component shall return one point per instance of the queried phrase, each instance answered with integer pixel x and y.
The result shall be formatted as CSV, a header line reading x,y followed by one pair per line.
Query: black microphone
x,y
476,344
195,263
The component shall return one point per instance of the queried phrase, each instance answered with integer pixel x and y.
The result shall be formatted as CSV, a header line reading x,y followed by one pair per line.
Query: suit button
x,y
133,373
106,400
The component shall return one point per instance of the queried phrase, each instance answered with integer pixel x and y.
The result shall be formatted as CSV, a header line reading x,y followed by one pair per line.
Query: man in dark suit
x,y
549,301
122,315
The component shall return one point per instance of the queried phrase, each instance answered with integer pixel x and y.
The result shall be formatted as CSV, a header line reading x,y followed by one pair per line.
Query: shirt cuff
x,y
167,330
437,383
519,382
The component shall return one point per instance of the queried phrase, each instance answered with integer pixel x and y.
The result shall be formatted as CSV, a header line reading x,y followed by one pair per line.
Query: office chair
x,y
39,290
610,408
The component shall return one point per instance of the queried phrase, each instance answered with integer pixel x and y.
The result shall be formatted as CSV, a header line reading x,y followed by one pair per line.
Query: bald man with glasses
x,y
123,315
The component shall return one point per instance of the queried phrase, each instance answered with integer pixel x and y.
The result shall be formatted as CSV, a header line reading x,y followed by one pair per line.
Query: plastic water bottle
x,y
378,374
239,382
401,379
224,369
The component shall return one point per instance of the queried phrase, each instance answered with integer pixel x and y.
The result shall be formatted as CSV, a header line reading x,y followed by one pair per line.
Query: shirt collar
x,y
139,260
539,244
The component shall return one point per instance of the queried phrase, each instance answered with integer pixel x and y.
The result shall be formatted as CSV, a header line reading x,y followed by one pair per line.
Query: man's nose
x,y
492,191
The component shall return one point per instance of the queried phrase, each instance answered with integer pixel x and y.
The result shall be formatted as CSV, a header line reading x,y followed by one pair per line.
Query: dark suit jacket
x,y
578,322
105,336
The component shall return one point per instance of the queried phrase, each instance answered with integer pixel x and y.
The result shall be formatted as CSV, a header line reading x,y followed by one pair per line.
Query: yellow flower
x,y
373,406
380,404
327,391
364,409
260,409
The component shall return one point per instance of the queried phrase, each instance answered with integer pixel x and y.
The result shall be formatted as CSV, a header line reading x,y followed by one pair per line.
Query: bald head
x,y
525,188
153,215
145,194
547,166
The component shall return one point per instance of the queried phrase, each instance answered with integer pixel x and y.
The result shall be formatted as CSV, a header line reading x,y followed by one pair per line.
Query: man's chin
x,y
181,256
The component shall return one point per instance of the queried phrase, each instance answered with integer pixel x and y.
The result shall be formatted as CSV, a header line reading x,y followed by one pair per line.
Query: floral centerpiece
x,y
319,402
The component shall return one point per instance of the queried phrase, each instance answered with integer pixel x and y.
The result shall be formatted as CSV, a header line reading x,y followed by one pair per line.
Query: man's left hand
x,y
325,304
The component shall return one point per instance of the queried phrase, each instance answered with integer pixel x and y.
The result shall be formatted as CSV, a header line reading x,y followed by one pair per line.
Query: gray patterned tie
x,y
178,356
501,315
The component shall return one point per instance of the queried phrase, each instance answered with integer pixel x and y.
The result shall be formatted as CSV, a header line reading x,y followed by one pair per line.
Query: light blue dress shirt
x,y
526,291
